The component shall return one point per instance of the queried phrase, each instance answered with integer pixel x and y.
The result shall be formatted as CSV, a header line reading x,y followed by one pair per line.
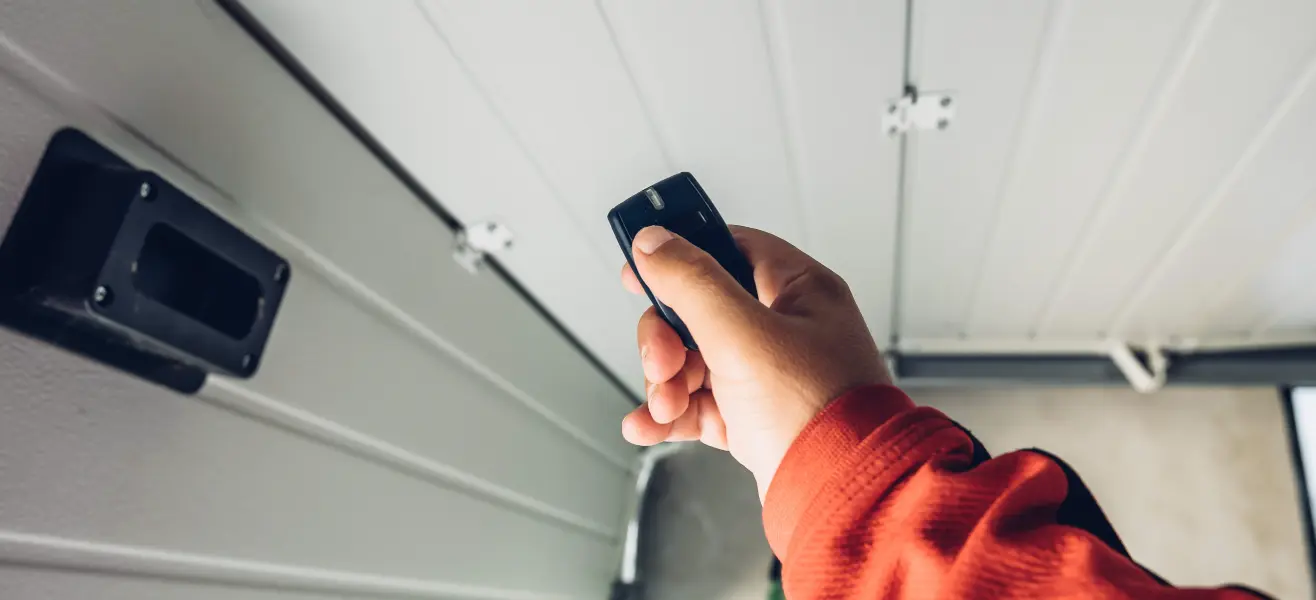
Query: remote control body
x,y
679,204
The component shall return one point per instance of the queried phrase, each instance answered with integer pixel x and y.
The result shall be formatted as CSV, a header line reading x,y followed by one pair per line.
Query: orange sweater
x,y
879,499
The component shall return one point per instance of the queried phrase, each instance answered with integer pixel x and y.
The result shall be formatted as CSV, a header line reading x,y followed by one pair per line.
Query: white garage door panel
x,y
984,54
552,70
1262,47
1238,232
224,108
409,420
133,464
546,114
1282,298
706,73
17,583
1064,150
388,67
1105,180
359,373
838,63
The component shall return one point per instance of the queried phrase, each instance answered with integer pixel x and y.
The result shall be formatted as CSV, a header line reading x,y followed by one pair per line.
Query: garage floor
x,y
1198,482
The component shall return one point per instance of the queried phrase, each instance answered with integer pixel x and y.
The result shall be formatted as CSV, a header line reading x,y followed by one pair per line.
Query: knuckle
x,y
829,283
825,282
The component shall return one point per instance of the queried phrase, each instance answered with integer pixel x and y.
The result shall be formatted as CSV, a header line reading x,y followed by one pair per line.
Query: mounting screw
x,y
945,101
102,296
280,273
246,360
145,191
942,123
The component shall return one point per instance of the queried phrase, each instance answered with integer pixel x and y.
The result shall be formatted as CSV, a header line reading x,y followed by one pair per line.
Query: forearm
x,y
877,498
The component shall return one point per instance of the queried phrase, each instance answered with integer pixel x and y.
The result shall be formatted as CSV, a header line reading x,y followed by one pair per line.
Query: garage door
x,y
1038,190
1119,186
414,430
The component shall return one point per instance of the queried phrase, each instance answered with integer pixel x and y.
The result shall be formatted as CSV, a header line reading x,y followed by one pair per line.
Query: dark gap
x,y
183,275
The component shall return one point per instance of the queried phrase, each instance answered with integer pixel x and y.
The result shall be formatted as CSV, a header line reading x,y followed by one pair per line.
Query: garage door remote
x,y
680,205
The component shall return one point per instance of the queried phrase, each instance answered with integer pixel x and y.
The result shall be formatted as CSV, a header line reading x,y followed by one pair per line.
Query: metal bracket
x,y
1143,379
479,240
914,110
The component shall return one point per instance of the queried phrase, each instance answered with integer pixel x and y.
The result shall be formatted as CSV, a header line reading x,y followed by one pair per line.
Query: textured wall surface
x,y
1198,483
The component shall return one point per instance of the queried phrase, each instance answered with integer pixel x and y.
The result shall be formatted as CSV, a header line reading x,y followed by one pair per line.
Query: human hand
x,y
764,367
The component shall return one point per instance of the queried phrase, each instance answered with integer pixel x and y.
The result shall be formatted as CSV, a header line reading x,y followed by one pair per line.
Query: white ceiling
x,y
1129,169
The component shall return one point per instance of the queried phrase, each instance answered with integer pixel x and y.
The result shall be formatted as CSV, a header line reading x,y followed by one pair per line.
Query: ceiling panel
x,y
1097,81
1281,297
1267,198
985,55
1115,169
545,115
838,63
706,73
1105,180
1240,71
551,71
387,64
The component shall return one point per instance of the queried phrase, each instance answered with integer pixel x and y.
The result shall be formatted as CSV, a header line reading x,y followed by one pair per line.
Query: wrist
x,y
788,426
847,419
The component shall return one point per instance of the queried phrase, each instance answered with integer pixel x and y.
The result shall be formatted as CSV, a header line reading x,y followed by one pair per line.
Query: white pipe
x,y
1138,376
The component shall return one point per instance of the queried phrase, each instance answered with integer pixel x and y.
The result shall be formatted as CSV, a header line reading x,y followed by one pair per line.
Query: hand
x,y
764,368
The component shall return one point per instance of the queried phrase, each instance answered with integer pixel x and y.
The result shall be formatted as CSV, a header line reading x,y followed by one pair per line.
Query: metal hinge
x,y
479,240
915,110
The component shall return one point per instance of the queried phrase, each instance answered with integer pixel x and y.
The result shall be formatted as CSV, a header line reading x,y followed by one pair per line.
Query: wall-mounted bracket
x,y
115,263
919,111
478,241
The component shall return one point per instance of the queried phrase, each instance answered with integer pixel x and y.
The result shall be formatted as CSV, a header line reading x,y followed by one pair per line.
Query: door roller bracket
x,y
918,111
479,240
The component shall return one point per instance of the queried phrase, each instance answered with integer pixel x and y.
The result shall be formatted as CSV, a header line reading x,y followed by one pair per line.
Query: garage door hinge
x,y
915,110
479,240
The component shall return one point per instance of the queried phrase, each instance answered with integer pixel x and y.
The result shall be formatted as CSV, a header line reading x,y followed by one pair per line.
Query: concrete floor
x,y
1199,484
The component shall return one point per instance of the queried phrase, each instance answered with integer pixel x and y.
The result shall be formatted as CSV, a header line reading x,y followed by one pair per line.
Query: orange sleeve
x,y
879,499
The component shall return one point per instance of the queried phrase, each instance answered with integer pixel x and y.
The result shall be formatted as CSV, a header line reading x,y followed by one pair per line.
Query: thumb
x,y
693,284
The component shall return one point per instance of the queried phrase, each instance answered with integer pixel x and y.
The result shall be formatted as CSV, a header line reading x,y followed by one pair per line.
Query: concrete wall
x,y
1198,483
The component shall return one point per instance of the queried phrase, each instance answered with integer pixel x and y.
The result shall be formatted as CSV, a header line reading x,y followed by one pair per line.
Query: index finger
x,y
775,261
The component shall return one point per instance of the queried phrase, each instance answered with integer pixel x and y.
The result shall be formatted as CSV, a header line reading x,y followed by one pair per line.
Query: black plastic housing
x,y
684,209
117,264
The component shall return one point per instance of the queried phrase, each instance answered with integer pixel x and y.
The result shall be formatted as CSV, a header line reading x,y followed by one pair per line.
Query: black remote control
x,y
680,205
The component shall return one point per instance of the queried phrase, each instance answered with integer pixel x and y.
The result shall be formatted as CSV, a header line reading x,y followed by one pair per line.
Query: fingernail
x,y
648,394
650,238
